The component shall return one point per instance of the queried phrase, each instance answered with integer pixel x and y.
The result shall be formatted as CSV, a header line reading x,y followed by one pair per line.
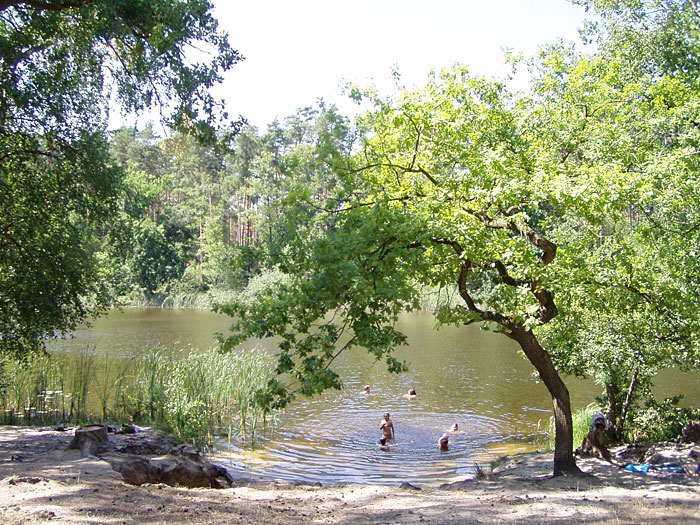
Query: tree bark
x,y
564,461
611,389
90,440
626,406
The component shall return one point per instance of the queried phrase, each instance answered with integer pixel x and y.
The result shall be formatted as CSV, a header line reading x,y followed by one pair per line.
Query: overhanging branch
x,y
44,6
549,249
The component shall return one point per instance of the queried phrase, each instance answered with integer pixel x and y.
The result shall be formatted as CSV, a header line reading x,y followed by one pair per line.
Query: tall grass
x,y
581,420
194,396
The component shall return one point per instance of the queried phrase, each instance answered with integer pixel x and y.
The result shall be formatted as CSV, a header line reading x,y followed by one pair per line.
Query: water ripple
x,y
349,453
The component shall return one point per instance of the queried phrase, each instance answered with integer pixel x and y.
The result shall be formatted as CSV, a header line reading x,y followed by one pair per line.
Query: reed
x,y
197,396
32,391
110,375
83,374
150,377
208,392
581,420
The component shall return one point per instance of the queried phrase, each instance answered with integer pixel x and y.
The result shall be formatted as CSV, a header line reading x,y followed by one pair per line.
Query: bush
x,y
660,421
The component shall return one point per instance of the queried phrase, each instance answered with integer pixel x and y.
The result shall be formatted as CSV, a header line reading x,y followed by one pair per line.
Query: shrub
x,y
660,421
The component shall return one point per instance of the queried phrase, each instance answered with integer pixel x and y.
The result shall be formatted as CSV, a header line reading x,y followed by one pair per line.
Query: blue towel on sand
x,y
668,468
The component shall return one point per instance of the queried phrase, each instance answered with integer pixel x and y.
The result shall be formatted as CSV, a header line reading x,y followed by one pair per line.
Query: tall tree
x,y
60,61
461,186
636,311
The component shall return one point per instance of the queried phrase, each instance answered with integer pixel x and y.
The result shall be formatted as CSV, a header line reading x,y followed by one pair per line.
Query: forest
x,y
197,223
565,217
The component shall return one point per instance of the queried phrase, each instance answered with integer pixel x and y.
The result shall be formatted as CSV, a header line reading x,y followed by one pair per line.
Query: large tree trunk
x,y
564,462
611,390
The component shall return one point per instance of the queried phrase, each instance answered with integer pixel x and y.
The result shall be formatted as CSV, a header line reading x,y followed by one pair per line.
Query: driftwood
x,y
592,445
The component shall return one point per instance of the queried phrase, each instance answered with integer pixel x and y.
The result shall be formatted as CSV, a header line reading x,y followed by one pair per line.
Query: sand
x,y
42,482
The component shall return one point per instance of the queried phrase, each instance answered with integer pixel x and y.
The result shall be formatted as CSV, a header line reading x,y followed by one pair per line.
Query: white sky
x,y
298,51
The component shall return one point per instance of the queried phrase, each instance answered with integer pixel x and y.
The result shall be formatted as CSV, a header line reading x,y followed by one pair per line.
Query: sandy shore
x,y
41,482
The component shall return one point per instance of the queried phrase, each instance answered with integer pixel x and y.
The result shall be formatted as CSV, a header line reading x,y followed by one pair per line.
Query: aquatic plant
x,y
197,396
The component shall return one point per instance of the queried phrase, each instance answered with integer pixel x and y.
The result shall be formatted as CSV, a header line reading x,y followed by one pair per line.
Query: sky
x,y
299,51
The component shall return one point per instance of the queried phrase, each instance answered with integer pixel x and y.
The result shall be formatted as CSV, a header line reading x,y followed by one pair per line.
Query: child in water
x,y
443,441
411,394
365,390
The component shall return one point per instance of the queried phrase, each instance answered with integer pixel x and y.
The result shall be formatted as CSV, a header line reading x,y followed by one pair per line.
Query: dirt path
x,y
41,482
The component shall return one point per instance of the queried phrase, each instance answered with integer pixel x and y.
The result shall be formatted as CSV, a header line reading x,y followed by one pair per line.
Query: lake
x,y
462,375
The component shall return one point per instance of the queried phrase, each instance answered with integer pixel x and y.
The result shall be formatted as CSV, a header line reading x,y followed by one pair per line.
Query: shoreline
x,y
42,481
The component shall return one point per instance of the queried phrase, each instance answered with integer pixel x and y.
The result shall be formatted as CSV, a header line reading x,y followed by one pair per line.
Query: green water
x,y
461,374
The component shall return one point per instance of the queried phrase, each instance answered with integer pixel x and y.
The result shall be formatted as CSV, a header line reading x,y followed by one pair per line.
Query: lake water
x,y
465,375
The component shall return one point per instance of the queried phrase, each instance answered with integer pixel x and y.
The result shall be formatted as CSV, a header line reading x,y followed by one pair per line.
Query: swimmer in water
x,y
455,428
365,390
387,427
411,394
442,442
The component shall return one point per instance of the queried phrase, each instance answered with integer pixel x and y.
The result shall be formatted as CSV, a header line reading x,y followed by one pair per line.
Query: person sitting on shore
x,y
592,444
443,442
387,427
411,394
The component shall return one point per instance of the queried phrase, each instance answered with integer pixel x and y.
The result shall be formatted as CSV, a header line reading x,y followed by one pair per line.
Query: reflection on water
x,y
461,374
124,331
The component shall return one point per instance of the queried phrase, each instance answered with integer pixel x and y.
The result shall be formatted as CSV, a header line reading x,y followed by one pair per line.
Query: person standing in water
x,y
387,427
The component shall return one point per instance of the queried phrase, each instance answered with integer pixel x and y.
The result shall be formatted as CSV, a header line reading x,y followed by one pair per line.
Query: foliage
x,y
577,199
660,421
636,310
658,35
60,62
195,221
51,208
196,396
459,185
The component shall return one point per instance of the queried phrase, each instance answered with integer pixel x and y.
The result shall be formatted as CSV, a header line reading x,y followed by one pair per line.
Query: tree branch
x,y
44,6
29,152
548,248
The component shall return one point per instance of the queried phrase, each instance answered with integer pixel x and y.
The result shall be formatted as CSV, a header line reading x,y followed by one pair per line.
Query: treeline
x,y
196,222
